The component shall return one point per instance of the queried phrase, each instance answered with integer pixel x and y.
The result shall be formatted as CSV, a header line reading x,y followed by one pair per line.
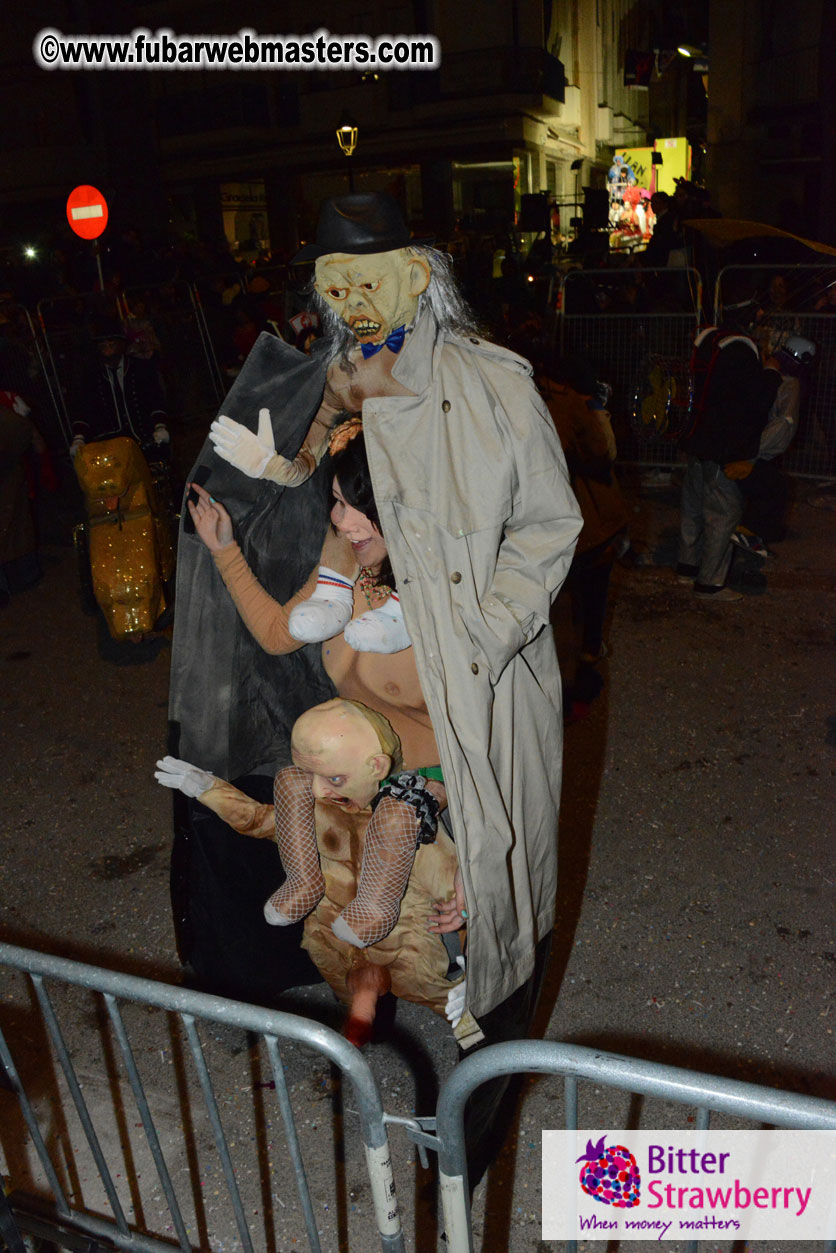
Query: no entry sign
x,y
87,212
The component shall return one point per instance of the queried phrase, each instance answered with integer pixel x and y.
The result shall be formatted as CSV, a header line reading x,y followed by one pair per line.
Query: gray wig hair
x,y
449,307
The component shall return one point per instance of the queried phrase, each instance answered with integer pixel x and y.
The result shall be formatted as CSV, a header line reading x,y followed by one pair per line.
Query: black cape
x,y
232,706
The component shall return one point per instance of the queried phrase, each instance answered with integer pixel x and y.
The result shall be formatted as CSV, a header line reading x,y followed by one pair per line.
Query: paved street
x,y
696,922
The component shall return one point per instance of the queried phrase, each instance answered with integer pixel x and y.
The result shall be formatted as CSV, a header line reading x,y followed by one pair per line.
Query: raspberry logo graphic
x,y
610,1175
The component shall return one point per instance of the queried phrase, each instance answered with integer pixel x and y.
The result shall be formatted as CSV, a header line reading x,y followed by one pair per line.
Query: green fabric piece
x,y
427,772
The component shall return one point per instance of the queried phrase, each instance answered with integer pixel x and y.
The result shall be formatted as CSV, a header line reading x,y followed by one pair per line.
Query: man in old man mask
x,y
480,524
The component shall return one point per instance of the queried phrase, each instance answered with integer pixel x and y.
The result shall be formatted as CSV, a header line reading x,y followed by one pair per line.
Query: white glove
x,y
255,455
456,998
161,435
77,443
173,773
243,449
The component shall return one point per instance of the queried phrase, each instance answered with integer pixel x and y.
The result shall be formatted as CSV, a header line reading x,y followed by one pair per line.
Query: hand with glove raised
x,y
254,454
183,777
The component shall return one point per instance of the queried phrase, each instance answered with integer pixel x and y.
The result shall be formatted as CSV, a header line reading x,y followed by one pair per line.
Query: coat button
x,y
455,577
445,406
474,667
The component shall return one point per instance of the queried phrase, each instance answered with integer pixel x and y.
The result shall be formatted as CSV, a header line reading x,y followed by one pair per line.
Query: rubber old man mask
x,y
375,293
338,747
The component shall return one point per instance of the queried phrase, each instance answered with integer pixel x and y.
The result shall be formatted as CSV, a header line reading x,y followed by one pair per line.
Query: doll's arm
x,y
241,812
254,453
304,883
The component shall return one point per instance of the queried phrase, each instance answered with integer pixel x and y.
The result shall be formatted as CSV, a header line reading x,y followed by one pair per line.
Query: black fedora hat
x,y
362,222
105,328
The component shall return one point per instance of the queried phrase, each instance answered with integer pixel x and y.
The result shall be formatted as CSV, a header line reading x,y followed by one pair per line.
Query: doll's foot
x,y
379,630
327,612
275,916
346,933
293,901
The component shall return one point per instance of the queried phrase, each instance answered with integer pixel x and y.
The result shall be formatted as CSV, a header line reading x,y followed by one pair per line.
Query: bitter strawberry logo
x,y
610,1175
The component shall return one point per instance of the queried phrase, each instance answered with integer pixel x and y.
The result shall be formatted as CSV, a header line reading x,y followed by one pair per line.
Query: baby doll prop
x,y
364,862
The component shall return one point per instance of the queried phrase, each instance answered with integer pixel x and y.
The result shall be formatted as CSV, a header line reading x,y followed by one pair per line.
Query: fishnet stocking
x,y
304,886
391,838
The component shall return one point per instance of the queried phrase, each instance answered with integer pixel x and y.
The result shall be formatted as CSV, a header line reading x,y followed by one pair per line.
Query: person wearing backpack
x,y
733,395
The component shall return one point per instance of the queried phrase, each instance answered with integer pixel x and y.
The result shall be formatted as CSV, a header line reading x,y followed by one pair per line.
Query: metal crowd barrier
x,y
708,1093
76,1160
630,324
799,300
50,1208
24,369
622,323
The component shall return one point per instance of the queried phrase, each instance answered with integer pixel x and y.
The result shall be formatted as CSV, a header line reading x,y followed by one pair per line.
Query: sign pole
x,y
98,253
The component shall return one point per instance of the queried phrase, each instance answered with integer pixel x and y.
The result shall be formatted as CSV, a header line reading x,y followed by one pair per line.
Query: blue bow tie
x,y
393,342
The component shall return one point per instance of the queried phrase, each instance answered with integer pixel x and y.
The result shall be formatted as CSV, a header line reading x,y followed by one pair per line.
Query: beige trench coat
x,y
481,523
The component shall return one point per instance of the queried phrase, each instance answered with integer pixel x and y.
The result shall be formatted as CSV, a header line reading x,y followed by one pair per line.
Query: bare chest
x,y
372,377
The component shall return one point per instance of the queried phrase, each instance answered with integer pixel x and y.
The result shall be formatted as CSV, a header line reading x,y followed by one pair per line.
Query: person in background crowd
x,y
665,233
765,488
734,398
143,341
577,404
120,395
19,566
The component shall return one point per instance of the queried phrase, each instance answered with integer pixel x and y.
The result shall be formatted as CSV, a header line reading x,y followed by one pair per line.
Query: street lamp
x,y
347,139
577,166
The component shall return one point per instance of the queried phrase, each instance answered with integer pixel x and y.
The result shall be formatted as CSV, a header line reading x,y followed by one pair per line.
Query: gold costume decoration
x,y
129,542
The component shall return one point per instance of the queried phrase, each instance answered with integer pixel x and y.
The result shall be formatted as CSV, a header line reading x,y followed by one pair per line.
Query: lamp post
x,y
347,139
577,166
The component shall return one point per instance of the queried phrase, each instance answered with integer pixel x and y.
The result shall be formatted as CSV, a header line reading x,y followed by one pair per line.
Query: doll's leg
x,y
329,609
296,837
391,839
380,630
404,814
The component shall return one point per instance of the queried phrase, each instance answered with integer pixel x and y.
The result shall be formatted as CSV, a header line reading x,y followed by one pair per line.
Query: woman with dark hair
x,y
329,611
386,684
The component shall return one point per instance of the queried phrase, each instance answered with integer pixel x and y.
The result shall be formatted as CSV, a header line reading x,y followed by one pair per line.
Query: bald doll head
x,y
342,750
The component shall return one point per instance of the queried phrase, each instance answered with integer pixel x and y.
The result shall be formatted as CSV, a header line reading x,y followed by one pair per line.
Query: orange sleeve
x,y
264,617
241,812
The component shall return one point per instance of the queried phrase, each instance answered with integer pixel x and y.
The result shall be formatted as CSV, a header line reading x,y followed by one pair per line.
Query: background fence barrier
x,y
707,1093
797,300
634,328
90,1173
623,325
80,1172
